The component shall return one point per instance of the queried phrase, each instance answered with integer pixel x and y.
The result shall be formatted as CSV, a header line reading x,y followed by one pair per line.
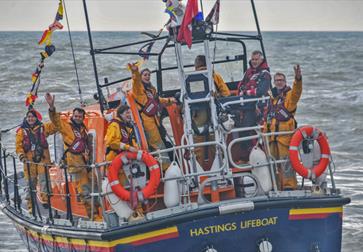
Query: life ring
x,y
299,135
124,158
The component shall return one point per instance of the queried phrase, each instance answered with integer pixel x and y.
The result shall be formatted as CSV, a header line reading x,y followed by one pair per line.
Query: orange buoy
x,y
301,134
124,158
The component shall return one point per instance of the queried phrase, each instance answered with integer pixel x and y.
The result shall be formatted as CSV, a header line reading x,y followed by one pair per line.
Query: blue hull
x,y
244,231
287,225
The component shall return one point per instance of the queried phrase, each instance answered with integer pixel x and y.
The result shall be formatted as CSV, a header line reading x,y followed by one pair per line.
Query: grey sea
x,y
332,97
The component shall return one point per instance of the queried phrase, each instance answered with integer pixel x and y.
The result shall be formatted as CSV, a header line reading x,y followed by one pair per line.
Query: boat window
x,y
230,63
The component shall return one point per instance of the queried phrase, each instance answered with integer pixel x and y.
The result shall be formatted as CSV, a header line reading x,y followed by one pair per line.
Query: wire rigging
x,y
73,55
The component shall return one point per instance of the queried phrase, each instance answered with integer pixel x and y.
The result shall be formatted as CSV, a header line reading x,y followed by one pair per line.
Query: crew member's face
x,y
78,117
126,116
256,60
145,77
31,119
279,81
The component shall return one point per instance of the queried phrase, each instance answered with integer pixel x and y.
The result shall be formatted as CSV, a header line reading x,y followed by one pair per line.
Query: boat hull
x,y
306,226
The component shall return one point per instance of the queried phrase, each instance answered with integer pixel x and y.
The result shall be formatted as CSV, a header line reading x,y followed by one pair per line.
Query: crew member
x,y
33,150
201,117
148,103
76,149
120,135
281,117
256,83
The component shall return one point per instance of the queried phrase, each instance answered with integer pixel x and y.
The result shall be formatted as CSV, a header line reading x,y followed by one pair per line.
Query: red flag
x,y
213,16
185,31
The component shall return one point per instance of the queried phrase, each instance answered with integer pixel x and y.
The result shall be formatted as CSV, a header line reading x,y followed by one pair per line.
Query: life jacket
x,y
252,77
278,110
125,136
151,107
32,139
80,142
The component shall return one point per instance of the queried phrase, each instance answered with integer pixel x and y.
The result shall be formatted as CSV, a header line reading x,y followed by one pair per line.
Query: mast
x,y
258,27
101,99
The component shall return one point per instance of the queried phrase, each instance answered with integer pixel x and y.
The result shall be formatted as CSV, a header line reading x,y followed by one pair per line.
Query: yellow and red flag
x,y
48,51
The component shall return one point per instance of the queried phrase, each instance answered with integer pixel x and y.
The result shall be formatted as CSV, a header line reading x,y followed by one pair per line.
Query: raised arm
x,y
59,125
137,87
296,89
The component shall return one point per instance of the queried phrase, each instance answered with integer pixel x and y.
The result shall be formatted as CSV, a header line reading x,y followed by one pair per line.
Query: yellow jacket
x,y
150,123
114,139
139,94
65,128
48,129
290,103
221,86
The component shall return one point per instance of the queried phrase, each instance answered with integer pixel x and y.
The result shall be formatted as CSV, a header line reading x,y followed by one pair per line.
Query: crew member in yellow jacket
x,y
76,149
120,135
33,150
281,117
201,117
149,104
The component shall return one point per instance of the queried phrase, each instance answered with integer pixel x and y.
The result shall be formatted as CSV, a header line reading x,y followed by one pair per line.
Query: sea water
x,y
332,98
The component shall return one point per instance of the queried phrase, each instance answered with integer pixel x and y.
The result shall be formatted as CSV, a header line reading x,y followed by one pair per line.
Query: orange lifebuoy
x,y
299,135
124,158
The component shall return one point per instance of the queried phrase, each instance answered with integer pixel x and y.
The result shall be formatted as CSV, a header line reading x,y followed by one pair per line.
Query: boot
x,y
29,206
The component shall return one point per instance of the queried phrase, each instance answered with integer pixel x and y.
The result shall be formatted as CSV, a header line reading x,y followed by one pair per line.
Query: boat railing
x,y
242,100
15,185
190,147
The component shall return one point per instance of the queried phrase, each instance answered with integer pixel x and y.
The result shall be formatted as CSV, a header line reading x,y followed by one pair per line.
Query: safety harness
x,y
79,146
279,111
35,140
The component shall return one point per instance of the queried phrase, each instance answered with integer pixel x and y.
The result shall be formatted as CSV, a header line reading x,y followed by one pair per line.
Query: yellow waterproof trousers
x,y
286,176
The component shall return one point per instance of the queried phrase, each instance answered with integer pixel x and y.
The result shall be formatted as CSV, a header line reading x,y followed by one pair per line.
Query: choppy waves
x,y
332,96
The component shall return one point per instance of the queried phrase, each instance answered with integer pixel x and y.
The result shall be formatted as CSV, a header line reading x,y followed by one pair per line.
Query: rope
x,y
74,58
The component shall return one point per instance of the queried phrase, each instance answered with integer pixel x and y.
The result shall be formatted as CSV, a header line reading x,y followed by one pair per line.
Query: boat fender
x,y
257,158
121,208
301,134
126,157
172,189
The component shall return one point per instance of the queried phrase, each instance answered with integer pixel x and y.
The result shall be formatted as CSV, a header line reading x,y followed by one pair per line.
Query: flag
x,y
213,16
171,12
30,99
55,26
185,31
145,50
48,51
59,15
46,37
